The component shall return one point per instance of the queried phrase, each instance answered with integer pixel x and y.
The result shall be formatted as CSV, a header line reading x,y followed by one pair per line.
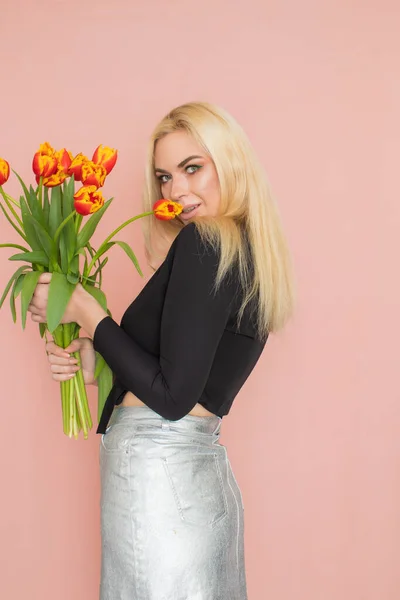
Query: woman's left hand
x,y
38,305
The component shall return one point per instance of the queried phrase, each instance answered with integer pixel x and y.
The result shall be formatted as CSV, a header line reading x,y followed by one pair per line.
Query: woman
x,y
171,510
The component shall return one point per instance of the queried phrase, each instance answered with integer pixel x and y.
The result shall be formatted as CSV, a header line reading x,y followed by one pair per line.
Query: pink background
x,y
314,435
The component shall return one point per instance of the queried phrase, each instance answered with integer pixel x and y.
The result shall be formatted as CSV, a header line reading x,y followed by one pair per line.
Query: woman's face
x,y
187,175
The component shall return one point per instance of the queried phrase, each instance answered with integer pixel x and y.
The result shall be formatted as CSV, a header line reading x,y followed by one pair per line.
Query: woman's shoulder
x,y
189,240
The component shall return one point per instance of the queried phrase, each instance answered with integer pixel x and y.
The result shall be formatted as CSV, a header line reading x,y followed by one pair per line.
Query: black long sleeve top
x,y
178,343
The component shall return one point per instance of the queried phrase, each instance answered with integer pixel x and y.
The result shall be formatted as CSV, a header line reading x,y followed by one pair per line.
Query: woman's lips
x,y
188,215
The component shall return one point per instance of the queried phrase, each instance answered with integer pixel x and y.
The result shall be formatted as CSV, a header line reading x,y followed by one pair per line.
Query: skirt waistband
x,y
146,416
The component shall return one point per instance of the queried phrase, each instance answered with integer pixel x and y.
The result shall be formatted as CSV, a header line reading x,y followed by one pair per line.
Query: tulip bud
x,y
4,171
93,174
75,167
44,164
166,210
55,179
103,155
64,159
88,200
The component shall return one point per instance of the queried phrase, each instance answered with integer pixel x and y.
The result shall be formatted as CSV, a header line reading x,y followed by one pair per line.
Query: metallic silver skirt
x,y
171,510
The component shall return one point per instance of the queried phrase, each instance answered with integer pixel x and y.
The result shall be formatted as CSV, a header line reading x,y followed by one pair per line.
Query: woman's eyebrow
x,y
181,164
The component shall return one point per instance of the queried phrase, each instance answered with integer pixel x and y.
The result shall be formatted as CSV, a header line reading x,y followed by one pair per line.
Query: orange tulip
x,y
165,210
64,159
44,162
103,155
4,171
93,174
88,200
75,167
56,179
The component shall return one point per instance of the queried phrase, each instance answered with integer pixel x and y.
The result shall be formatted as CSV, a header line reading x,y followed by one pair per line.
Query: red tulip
x,y
88,200
166,210
75,167
103,155
44,162
4,171
93,174
64,159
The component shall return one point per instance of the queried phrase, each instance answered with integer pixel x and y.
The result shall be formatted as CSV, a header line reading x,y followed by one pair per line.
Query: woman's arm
x,y
193,322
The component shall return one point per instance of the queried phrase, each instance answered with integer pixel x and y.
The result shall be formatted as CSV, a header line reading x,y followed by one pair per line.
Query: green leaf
x,y
88,229
22,184
73,278
28,287
18,286
35,206
15,291
14,246
97,295
131,255
30,231
68,193
45,240
104,377
68,238
100,267
55,216
9,284
60,292
42,329
100,363
38,256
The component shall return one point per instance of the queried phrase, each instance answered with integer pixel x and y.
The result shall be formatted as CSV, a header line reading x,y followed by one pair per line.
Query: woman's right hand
x,y
64,367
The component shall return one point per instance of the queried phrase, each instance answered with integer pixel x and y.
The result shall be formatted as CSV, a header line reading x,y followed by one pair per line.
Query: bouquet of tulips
x,y
49,219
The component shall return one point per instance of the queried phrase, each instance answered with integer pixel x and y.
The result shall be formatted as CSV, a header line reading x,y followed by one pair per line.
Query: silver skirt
x,y
171,510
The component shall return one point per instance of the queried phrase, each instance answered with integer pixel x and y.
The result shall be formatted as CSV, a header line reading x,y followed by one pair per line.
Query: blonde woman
x,y
171,509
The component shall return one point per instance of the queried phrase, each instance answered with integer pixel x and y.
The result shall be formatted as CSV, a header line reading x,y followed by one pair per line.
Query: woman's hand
x,y
38,305
64,367
82,307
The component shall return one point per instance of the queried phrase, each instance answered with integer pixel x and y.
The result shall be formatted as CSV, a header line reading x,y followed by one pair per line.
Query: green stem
x,y
71,409
13,201
6,200
80,401
63,390
61,226
108,238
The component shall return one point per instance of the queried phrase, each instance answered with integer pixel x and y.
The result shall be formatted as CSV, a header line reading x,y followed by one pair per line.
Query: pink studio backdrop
x,y
314,435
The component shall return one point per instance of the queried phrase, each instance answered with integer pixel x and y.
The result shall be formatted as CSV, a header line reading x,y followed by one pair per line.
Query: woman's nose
x,y
178,188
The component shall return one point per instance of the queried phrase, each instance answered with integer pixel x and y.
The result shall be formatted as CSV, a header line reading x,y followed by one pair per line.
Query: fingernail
x,y
66,355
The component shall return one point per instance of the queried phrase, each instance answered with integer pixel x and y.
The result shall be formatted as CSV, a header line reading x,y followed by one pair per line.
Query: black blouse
x,y
178,343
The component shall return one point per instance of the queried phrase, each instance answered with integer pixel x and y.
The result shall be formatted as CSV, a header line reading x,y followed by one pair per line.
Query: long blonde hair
x,y
246,206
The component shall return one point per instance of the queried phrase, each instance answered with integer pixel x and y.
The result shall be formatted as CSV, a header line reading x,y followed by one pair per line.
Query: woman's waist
x,y
141,416
198,410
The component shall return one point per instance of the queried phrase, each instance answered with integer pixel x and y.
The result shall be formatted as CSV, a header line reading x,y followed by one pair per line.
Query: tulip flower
x,y
93,174
165,210
75,167
45,162
4,171
88,200
103,155
64,159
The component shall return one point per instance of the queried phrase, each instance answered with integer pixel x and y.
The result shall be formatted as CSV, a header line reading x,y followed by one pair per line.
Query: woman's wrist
x,y
88,312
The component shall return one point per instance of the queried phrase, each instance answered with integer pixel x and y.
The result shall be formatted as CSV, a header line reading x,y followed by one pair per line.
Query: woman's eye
x,y
163,178
192,169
